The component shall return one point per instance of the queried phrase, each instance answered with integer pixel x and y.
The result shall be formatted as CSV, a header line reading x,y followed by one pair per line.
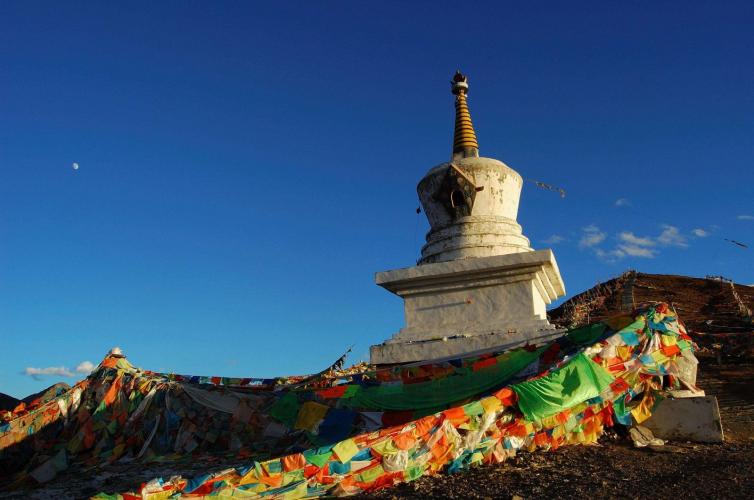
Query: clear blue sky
x,y
245,167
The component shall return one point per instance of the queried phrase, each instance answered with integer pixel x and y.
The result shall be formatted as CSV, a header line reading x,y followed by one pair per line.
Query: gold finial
x,y
464,138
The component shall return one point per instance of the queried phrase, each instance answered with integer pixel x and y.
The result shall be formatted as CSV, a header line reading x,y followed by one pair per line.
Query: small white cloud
x,y
671,236
85,367
622,202
610,256
629,245
631,239
637,251
554,239
745,217
700,233
592,236
38,373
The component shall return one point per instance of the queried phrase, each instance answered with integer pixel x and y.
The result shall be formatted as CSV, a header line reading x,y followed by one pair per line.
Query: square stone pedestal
x,y
462,306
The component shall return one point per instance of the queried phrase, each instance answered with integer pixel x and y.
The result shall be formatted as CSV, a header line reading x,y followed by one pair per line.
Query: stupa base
x,y
457,307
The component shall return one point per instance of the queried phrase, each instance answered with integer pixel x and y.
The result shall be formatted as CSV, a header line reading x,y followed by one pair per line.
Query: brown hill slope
x,y
714,309
7,402
43,396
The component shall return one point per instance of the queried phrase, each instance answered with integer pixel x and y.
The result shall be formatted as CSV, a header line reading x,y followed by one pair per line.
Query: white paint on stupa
x,y
490,228
479,284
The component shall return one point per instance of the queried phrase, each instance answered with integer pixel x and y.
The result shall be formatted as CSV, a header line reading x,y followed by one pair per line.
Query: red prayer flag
x,y
619,385
484,364
333,392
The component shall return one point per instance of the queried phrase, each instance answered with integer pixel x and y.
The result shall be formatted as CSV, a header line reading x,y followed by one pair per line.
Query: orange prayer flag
x,y
275,480
555,443
323,475
506,396
112,392
619,385
440,449
404,441
348,481
310,470
109,362
456,415
518,430
89,438
293,462
671,350
425,425
541,438
616,365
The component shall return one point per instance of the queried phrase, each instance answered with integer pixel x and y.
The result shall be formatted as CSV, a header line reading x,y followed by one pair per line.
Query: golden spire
x,y
464,138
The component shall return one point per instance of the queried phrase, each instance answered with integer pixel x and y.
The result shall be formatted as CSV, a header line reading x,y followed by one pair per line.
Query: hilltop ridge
x,y
712,304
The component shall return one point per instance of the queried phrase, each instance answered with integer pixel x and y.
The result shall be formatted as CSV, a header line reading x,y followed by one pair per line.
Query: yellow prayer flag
x,y
385,447
668,340
660,357
491,404
249,477
160,495
642,412
345,450
299,491
310,415
624,352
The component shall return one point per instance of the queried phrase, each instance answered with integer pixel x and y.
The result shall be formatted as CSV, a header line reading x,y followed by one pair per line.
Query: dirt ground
x,y
614,469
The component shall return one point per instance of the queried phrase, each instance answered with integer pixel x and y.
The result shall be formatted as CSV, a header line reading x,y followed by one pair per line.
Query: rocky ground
x,y
614,469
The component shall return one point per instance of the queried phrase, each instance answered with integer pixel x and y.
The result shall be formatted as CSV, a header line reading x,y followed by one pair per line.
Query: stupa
x,y
478,284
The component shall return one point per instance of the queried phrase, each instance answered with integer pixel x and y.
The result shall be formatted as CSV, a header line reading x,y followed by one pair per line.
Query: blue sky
x,y
245,167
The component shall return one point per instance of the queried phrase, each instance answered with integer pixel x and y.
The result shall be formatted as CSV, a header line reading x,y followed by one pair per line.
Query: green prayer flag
x,y
285,409
442,392
371,474
573,383
414,472
317,457
587,334
639,323
293,476
474,408
351,390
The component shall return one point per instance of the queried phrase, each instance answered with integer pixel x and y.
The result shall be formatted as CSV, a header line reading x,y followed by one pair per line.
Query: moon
x,y
75,166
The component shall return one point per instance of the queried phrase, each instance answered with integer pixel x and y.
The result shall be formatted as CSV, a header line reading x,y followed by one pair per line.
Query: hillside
x,y
716,311
7,402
